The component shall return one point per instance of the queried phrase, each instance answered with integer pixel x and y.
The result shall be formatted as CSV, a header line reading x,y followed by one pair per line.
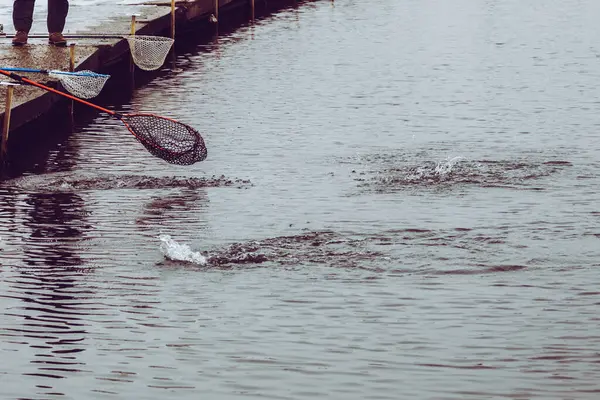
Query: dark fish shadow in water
x,y
388,173
459,251
324,248
78,182
175,212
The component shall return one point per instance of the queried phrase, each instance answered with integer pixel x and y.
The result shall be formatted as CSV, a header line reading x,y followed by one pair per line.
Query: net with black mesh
x,y
166,138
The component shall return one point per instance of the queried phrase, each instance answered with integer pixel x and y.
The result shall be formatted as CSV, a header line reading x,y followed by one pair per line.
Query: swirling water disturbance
x,y
400,201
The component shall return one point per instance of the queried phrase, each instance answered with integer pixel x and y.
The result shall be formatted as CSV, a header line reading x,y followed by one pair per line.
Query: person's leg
x,y
57,15
23,14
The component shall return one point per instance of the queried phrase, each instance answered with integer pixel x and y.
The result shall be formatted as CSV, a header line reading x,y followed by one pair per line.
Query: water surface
x,y
399,201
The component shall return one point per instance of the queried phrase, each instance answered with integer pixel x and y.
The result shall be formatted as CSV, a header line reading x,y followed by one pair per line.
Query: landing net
x,y
83,84
173,141
149,52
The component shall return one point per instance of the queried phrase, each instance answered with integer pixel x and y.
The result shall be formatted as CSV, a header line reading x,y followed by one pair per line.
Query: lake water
x,y
400,200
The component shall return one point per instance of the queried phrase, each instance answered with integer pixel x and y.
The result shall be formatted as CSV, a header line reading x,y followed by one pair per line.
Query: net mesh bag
x,y
149,52
83,84
168,139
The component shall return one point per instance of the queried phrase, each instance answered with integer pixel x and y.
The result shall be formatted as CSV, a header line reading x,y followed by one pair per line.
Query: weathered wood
x,y
6,121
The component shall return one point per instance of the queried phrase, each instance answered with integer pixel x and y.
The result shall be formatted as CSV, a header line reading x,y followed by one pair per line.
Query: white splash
x,y
444,167
179,252
417,174
65,186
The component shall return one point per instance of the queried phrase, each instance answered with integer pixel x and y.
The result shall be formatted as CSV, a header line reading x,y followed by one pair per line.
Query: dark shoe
x,y
20,38
57,39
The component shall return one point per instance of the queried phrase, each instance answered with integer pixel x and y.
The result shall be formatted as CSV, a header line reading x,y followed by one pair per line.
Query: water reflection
x,y
49,281
56,222
8,220
171,212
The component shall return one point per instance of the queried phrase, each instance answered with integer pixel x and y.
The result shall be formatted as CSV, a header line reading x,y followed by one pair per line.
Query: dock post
x,y
133,24
173,19
131,62
71,57
72,69
172,51
215,18
252,10
6,121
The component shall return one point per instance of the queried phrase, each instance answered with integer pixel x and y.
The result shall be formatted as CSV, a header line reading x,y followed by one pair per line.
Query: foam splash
x,y
445,167
68,181
424,173
179,252
65,186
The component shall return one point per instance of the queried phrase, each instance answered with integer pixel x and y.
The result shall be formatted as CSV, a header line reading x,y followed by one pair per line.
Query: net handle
x,y
85,74
53,71
15,69
22,79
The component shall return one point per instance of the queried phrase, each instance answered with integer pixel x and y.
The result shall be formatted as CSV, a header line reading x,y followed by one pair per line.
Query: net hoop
x,y
149,52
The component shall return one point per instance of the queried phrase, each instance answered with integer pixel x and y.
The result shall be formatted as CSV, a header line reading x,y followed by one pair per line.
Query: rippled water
x,y
400,201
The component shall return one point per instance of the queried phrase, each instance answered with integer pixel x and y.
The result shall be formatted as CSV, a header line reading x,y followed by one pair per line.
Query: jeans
x,y
57,15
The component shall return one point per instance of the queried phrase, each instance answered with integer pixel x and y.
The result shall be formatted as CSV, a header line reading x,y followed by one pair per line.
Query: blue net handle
x,y
45,71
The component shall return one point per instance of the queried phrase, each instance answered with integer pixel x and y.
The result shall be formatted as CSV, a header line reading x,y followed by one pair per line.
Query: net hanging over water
x,y
149,52
84,84
173,141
